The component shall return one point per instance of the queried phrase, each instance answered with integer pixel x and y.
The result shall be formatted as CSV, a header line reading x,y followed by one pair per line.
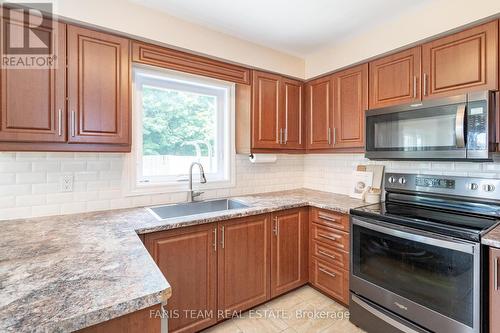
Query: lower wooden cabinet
x,y
289,250
494,290
329,253
243,264
188,259
147,320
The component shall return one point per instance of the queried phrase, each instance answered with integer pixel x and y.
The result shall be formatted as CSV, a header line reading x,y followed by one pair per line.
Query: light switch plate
x,y
67,183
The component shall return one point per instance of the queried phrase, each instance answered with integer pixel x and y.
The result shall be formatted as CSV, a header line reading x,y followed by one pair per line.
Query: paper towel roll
x,y
263,158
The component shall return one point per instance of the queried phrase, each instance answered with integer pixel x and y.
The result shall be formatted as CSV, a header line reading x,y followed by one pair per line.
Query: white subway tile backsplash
x,y
30,182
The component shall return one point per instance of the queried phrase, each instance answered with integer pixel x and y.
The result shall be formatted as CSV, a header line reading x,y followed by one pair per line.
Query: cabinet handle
x,y
333,238
334,136
326,254
276,228
328,133
425,84
414,86
281,136
215,239
73,125
286,135
59,121
222,237
327,272
327,218
495,273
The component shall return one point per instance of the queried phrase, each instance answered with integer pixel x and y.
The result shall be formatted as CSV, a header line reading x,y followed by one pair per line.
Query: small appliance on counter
x,y
417,259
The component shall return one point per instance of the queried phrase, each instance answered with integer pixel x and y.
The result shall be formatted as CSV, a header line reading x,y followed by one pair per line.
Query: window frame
x,y
225,134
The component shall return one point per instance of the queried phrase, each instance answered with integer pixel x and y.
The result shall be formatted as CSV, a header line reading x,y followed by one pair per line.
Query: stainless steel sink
x,y
194,208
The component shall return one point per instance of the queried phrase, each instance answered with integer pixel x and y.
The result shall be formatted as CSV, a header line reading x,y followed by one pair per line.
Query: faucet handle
x,y
197,194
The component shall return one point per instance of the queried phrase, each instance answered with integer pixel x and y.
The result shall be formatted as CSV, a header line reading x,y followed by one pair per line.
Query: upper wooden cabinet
x,y
98,87
267,115
461,62
319,113
395,79
243,263
277,116
289,250
33,101
293,106
350,101
188,252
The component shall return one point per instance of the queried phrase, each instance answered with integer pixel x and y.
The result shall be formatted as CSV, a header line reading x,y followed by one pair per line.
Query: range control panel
x,y
481,188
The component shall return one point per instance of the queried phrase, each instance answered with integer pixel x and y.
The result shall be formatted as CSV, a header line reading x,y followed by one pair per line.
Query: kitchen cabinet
x,y
188,259
267,116
243,263
494,255
350,101
289,250
277,112
461,62
33,101
329,253
98,87
395,79
319,113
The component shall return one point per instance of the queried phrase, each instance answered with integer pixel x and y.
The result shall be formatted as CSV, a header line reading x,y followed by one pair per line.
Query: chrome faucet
x,y
193,194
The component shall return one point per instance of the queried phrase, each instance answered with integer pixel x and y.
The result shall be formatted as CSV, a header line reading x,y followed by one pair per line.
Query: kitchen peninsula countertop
x,y
63,273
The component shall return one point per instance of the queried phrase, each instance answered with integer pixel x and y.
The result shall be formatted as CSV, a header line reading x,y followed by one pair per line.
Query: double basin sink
x,y
195,208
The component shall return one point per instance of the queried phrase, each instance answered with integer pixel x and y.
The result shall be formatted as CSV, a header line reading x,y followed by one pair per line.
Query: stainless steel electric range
x,y
417,260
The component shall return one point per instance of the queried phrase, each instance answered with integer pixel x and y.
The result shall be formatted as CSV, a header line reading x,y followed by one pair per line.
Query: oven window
x,y
437,278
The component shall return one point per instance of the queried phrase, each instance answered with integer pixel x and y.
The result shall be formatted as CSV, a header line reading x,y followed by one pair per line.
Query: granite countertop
x,y
64,273
492,238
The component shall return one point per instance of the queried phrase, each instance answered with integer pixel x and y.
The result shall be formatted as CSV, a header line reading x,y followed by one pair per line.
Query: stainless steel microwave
x,y
454,128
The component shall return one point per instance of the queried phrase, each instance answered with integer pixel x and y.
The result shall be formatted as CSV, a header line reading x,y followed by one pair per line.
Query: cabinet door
x,y
289,250
494,290
294,115
395,79
350,103
243,263
267,128
462,62
32,101
98,87
319,113
187,258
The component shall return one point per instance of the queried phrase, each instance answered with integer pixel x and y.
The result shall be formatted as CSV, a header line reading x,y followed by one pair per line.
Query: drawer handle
x,y
326,254
327,218
495,273
327,272
333,238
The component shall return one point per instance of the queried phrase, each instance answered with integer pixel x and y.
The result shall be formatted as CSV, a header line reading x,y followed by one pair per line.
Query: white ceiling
x,y
298,27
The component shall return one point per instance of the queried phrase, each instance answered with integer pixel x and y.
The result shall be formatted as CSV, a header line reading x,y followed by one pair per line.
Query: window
x,y
180,119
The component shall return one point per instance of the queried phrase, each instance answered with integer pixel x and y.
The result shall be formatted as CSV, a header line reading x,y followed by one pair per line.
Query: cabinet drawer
x,y
330,219
338,258
333,281
329,236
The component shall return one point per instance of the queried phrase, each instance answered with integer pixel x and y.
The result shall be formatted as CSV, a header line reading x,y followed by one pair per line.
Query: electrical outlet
x,y
67,183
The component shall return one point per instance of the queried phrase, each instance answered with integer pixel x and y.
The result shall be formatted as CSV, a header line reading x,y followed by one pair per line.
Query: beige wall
x,y
429,19
127,17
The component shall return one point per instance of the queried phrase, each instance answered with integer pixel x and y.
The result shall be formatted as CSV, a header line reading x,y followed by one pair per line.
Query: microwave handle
x,y
460,126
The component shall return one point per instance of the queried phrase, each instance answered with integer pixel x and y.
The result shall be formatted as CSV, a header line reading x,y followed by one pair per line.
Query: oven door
x,y
434,130
428,279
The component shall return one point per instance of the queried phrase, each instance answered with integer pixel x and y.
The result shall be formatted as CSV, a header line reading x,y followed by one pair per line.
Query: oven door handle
x,y
460,126
415,235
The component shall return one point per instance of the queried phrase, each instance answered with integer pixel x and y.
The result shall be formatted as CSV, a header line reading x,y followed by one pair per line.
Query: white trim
x,y
203,83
